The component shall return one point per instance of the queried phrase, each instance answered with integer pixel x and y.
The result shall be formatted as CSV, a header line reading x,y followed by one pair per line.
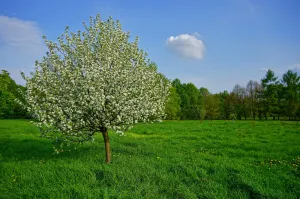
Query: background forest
x,y
270,98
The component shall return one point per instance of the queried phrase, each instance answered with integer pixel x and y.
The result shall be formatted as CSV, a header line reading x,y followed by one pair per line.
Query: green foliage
x,y
212,106
173,105
270,94
6,104
270,98
8,93
224,108
291,92
192,108
185,159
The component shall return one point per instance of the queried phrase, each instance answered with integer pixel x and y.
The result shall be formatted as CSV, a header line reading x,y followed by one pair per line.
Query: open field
x,y
185,159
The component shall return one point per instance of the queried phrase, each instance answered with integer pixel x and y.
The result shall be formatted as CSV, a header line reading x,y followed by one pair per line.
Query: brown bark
x,y
107,145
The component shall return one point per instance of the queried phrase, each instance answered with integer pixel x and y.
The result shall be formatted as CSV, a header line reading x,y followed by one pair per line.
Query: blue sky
x,y
213,43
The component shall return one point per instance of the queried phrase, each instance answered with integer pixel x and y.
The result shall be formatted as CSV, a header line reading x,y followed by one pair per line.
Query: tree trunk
x,y
107,145
265,116
278,118
273,117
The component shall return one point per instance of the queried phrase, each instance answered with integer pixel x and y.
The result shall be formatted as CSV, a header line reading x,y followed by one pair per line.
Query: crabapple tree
x,y
92,81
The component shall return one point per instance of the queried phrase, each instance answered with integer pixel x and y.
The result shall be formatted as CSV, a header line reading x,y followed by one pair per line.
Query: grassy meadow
x,y
173,159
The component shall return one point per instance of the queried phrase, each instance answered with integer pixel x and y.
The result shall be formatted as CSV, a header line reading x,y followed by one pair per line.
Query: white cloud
x,y
21,44
187,45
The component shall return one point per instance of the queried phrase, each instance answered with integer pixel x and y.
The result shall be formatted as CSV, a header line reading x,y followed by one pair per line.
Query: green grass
x,y
186,159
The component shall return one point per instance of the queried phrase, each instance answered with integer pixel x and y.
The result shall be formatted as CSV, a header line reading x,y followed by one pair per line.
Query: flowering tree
x,y
92,81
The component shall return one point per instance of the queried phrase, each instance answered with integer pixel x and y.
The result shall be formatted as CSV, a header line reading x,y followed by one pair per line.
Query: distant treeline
x,y
8,93
271,97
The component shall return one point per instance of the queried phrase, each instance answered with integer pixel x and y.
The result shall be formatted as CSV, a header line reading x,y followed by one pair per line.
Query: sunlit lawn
x,y
178,159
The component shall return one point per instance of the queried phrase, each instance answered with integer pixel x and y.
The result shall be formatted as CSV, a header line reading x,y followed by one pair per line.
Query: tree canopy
x,y
92,81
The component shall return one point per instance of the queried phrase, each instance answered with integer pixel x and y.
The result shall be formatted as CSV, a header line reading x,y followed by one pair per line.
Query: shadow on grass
x,y
236,184
30,149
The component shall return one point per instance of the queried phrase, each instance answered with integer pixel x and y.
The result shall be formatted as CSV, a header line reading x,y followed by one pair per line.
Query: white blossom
x,y
91,80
